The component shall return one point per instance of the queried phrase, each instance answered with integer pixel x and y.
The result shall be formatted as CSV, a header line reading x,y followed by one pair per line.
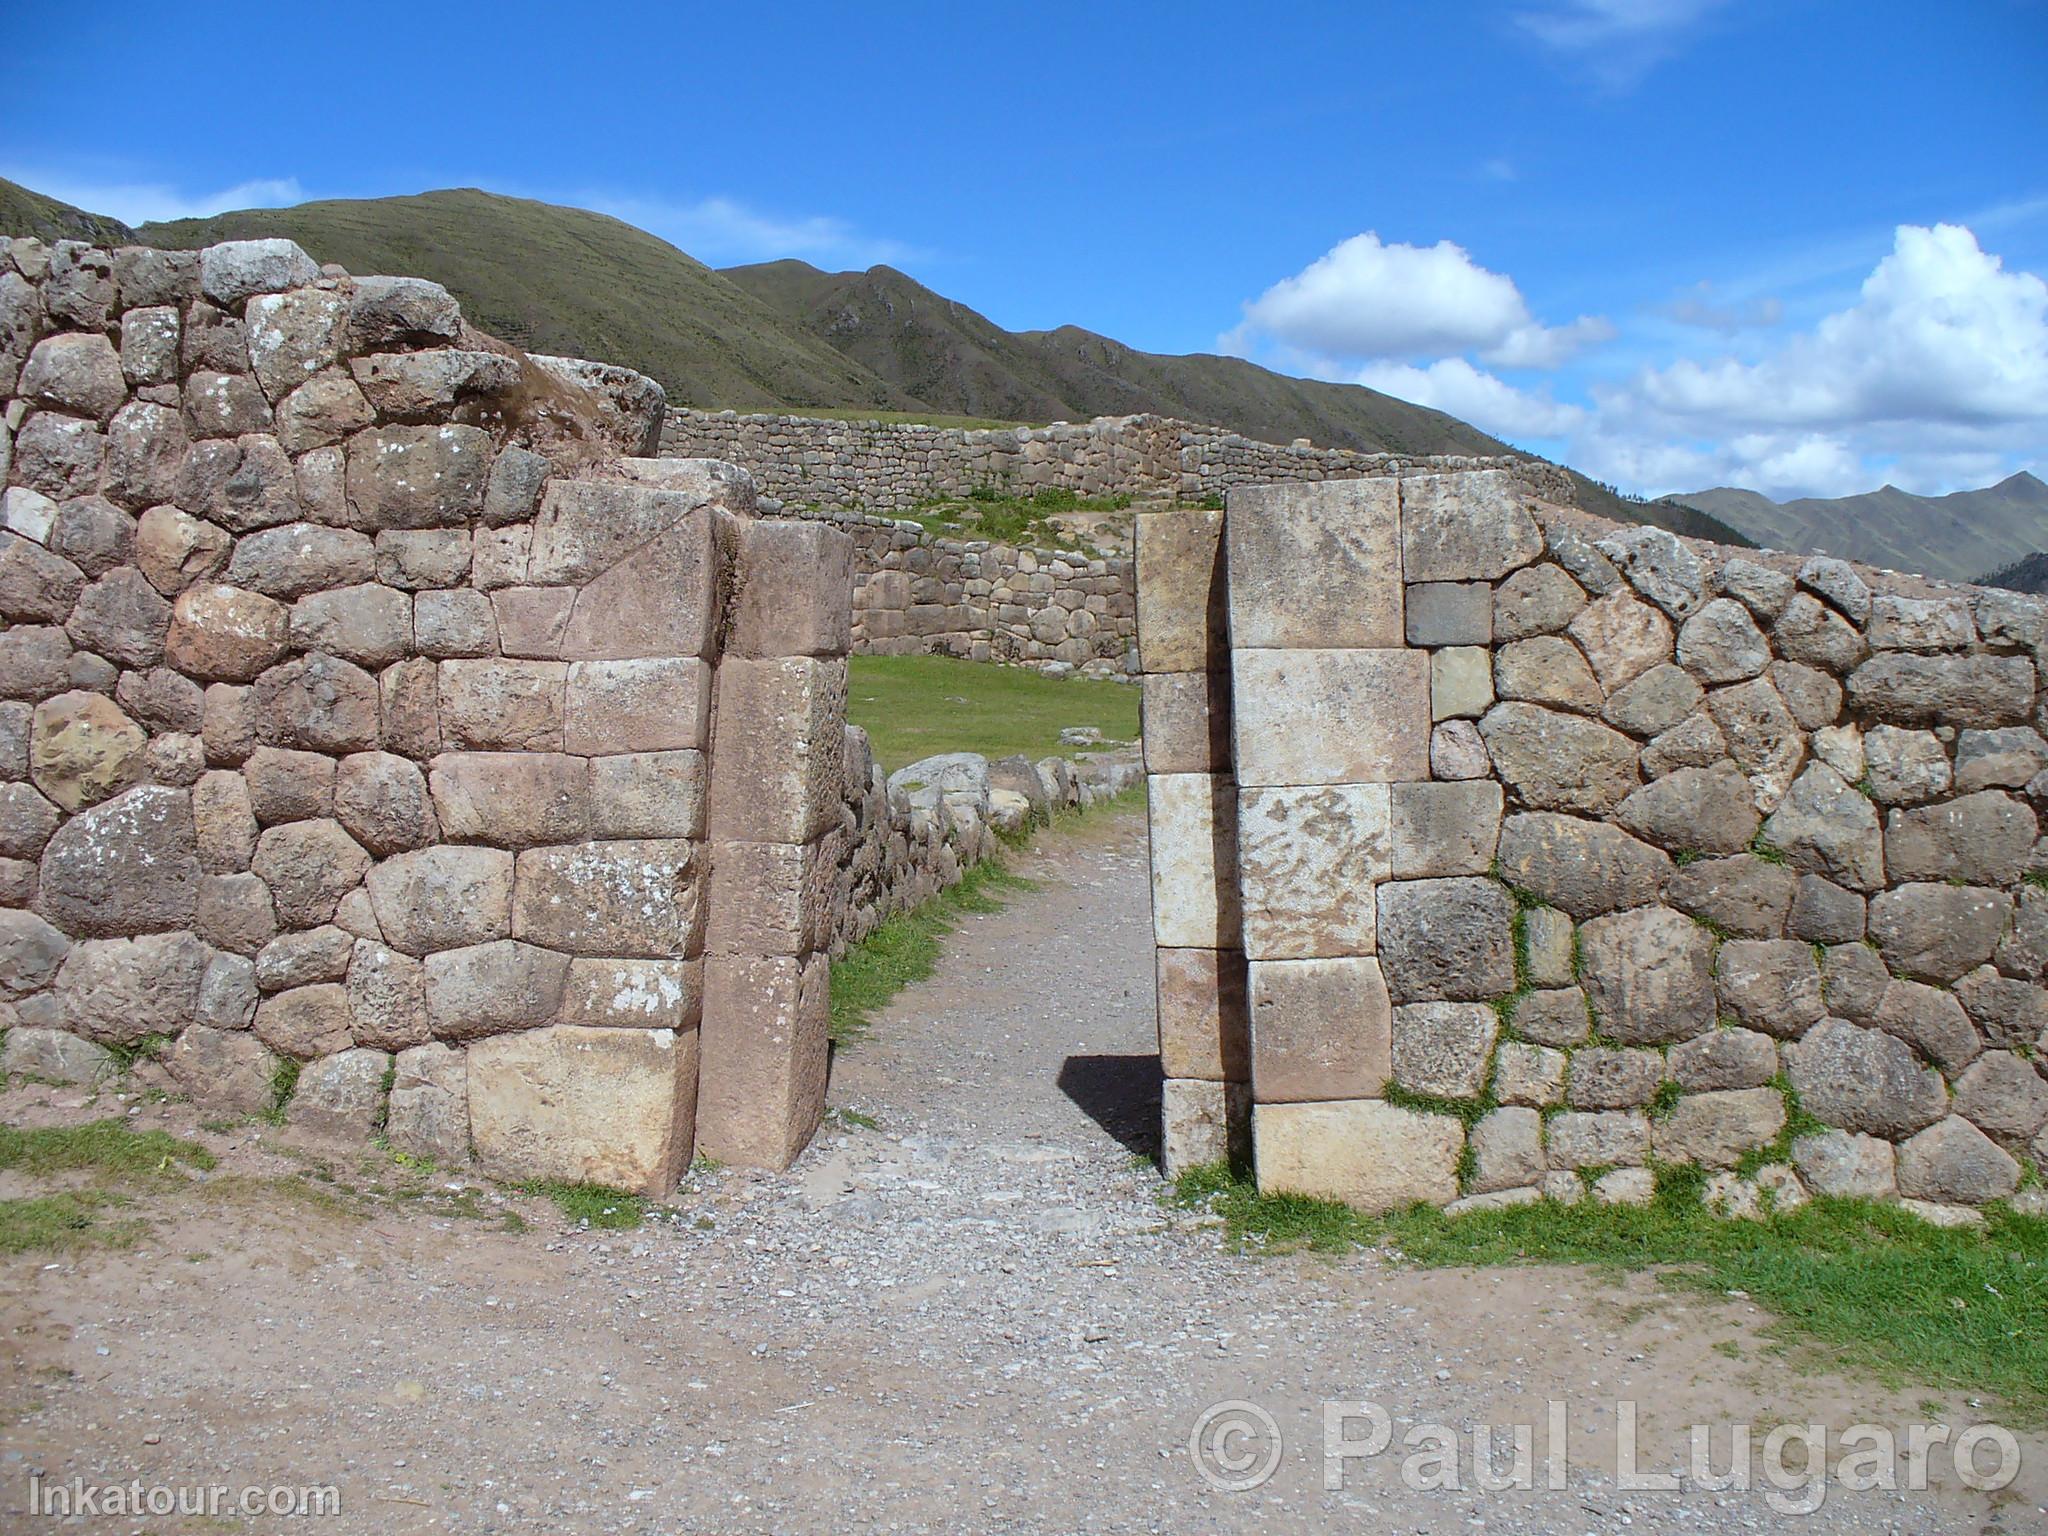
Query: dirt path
x,y
976,1316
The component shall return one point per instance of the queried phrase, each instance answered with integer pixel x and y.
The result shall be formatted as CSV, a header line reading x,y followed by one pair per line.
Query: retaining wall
x,y
1501,853
370,720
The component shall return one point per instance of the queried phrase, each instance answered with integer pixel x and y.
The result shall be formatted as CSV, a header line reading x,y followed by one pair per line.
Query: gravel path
x,y
976,1316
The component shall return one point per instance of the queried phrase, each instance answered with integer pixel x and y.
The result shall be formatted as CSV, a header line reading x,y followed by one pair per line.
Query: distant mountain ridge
x,y
786,336
1959,536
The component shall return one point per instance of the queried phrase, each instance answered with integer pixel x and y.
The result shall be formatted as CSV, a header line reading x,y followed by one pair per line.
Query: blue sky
x,y
1794,245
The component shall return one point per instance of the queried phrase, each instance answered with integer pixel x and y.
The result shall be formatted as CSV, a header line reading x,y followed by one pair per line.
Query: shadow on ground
x,y
1120,1094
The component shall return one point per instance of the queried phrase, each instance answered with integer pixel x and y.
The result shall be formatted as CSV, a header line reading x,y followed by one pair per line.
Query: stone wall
x,y
1502,854
368,721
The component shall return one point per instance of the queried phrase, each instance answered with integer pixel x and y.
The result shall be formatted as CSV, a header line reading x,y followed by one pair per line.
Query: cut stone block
x,y
1443,1049
778,773
589,1106
428,1112
762,1091
1308,859
1444,829
1183,620
1203,1023
1446,939
1202,1123
772,898
1364,1152
662,600
634,994
648,705
488,989
1450,613
1466,526
511,799
441,898
1320,1029
1187,722
502,705
634,896
1315,564
792,592
647,794
1195,902
1330,717
1460,683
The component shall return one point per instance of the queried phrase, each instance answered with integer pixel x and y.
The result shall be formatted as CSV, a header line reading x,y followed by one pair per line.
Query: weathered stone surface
x,y
506,705
1953,1161
2003,1095
1460,682
1846,1165
1864,1080
430,386
235,269
1745,896
1528,1074
1649,974
1187,722
1814,698
1456,752
129,865
1938,931
1707,810
1605,1078
367,624
1622,638
1931,1020
1598,1139
2010,759
1507,1150
655,705
149,342
1316,565
389,311
174,549
1625,1186
76,372
1443,829
409,702
35,585
1465,527
1195,888
762,1087
1307,859
1655,702
1823,913
327,409
1553,1016
1716,1129
1320,1029
779,772
1813,634
30,952
428,1112
1984,838
2011,1014
1721,643
1547,670
341,1095
122,618
289,786
306,1022
531,621
1538,600
1446,939
513,492
460,623
1659,566
300,959
647,794
511,799
1980,691
223,1070
162,700
635,994
59,456
224,405
381,799
1203,1122
1584,867
1724,1058
55,1056
596,1106
1695,742
82,750
418,476
1330,717
1921,624
1456,612
1366,1153
1826,828
226,633
1441,1049
663,601
631,897
1559,762
1771,984
387,997
1762,736
443,897
147,450
120,990
297,558
486,989
236,913
227,993
309,866
1548,946
1853,981
1837,581
2023,951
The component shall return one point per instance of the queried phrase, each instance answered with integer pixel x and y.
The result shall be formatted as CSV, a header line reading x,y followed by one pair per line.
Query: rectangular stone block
x,y
634,897
778,767
1187,722
1444,829
586,1106
793,594
771,898
647,794
1460,683
1321,1029
1308,858
661,600
1183,613
493,704
1193,819
1450,613
1330,717
1202,1123
1203,1025
511,799
634,994
532,620
1367,1153
765,1053
651,704
1315,564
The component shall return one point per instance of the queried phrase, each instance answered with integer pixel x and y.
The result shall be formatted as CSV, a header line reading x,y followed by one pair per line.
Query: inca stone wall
x,y
373,719
1501,853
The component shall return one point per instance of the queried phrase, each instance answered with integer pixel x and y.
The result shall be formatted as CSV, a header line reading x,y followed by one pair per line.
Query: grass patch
x,y
915,706
1865,1286
65,1223
127,1055
988,512
852,1119
107,1148
911,418
284,1082
905,948
593,1205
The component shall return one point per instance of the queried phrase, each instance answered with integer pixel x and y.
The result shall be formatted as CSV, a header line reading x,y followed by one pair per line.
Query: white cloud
x,y
1455,386
148,202
723,232
1620,41
1365,300
1701,307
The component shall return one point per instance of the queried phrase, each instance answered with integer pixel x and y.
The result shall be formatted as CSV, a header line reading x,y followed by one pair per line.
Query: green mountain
x,y
23,212
1957,536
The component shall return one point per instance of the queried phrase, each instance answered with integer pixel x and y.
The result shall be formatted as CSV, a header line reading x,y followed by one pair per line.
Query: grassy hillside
x,y
565,280
2027,575
1957,536
23,212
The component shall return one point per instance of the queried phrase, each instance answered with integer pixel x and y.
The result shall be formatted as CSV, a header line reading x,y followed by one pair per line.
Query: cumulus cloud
x,y
1619,41
1366,300
725,232
149,202
1455,386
